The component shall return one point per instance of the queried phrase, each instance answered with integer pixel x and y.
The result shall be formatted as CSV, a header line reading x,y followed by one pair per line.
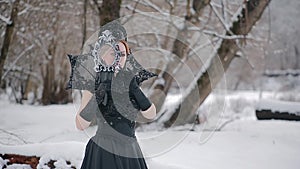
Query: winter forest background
x,y
255,42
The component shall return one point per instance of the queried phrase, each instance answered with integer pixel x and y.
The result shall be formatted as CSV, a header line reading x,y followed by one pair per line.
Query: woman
x,y
116,102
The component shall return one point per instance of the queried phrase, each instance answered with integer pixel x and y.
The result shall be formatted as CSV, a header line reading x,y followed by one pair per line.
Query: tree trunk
x,y
110,10
199,5
186,111
84,22
180,49
53,89
48,76
8,35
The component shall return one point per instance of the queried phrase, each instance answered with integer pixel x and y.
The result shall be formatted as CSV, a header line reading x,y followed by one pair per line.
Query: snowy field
x,y
243,143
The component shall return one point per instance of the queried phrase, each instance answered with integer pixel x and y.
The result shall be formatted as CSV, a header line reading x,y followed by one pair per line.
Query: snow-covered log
x,y
31,161
277,73
274,109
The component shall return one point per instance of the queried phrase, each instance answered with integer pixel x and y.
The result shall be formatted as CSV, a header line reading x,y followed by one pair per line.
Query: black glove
x,y
139,97
103,86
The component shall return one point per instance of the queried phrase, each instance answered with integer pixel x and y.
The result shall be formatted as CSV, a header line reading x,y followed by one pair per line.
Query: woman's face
x,y
108,54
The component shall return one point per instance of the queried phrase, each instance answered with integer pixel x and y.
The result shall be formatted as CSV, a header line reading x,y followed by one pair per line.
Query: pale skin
x,y
82,124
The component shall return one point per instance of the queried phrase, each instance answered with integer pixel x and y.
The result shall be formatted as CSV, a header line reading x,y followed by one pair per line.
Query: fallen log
x,y
268,114
32,161
21,159
275,109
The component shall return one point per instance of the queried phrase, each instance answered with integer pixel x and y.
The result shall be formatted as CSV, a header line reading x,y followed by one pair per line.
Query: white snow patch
x,y
3,162
18,166
49,132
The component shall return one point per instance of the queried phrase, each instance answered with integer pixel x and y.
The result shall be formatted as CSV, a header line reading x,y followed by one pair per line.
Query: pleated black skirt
x,y
97,157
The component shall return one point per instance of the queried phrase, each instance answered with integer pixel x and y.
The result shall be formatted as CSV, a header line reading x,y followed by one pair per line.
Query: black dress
x,y
114,146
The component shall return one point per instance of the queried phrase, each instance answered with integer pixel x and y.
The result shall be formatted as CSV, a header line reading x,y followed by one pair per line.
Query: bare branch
x,y
129,7
202,46
29,7
226,36
172,5
224,10
135,6
20,69
35,41
152,5
15,61
98,6
225,25
8,21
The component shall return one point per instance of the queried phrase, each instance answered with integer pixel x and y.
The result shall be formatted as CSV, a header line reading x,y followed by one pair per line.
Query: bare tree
x,y
8,35
38,66
180,49
225,53
57,31
42,45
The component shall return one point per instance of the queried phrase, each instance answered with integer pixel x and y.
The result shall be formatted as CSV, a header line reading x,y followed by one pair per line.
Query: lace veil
x,y
87,68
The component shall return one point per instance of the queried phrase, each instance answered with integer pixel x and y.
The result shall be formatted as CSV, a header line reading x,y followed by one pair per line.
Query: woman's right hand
x,y
102,85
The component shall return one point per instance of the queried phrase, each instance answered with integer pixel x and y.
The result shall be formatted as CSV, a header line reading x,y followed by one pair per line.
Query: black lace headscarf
x,y
88,71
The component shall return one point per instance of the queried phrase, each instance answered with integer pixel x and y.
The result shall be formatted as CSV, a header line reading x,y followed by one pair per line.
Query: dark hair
x,y
126,46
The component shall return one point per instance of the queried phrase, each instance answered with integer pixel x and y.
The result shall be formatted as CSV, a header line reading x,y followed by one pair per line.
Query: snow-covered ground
x,y
49,132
